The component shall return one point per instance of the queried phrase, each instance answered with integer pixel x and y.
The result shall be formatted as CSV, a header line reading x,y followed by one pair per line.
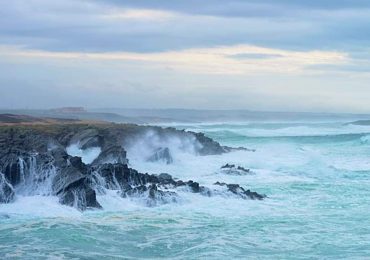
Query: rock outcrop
x,y
6,190
241,192
34,161
231,169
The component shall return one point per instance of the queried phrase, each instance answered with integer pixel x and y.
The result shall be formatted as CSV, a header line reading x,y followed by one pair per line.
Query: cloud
x,y
243,8
139,14
151,26
216,60
247,54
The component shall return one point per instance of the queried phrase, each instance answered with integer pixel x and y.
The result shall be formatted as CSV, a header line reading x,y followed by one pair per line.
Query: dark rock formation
x,y
241,192
111,154
6,190
34,161
231,169
208,145
79,194
228,166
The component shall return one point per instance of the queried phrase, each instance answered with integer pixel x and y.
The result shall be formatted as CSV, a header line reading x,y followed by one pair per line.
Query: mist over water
x,y
316,176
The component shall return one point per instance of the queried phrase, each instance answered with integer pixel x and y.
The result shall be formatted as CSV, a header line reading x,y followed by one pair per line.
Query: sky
x,y
272,55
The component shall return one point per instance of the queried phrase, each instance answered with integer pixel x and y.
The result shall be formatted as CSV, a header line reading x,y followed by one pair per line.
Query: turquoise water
x,y
316,177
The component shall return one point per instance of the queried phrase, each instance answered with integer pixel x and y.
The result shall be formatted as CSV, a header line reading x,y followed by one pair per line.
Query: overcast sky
x,y
285,55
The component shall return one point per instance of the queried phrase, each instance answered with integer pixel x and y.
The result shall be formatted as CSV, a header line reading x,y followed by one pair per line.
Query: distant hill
x,y
70,113
79,113
10,119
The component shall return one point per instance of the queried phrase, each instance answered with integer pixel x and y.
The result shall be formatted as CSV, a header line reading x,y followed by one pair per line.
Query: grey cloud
x,y
80,26
241,7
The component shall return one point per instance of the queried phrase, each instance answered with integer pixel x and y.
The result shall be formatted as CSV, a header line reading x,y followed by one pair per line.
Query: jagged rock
x,y
161,154
60,157
241,192
13,169
73,186
194,186
65,178
152,195
231,169
95,141
119,176
208,145
165,178
35,159
6,190
112,154
228,166
86,138
80,195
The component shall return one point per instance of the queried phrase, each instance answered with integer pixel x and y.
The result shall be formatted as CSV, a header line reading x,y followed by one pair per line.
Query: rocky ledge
x,y
34,161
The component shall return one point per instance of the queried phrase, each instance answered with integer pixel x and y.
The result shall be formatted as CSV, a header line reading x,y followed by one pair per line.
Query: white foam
x,y
285,130
113,202
365,139
275,164
38,206
143,147
87,155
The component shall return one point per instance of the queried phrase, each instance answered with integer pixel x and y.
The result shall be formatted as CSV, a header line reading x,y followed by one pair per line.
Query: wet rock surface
x,y
34,161
6,190
232,169
241,192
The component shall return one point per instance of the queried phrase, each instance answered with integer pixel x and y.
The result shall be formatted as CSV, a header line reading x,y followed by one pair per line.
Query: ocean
x,y
316,176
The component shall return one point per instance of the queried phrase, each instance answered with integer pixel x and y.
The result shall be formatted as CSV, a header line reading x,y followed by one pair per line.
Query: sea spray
x,y
312,210
87,155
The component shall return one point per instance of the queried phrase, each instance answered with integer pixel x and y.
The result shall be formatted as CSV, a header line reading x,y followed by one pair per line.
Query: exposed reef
x,y
34,161
231,169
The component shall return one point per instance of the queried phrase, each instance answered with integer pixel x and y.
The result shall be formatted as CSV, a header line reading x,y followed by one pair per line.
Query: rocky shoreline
x,y
34,161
